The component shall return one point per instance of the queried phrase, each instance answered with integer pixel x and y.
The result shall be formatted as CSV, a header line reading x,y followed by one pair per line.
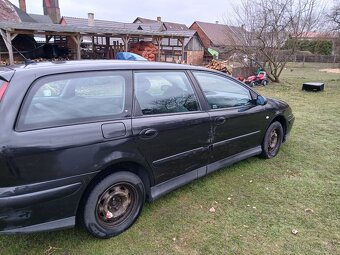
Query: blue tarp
x,y
129,56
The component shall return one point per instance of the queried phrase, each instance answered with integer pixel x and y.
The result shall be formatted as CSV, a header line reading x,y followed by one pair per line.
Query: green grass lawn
x,y
258,202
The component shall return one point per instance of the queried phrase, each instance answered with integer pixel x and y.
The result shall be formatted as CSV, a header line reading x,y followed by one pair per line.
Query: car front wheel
x,y
272,140
114,204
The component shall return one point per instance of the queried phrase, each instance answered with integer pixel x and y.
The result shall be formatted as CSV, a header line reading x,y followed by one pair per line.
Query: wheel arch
x,y
281,119
127,166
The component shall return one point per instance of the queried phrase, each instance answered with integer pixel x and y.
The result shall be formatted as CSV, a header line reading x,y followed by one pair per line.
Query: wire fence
x,y
316,58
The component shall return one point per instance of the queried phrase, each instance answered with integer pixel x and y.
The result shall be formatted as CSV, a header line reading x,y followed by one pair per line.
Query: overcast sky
x,y
181,11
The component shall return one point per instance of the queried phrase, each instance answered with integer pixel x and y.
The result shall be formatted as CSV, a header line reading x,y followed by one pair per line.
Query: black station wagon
x,y
90,141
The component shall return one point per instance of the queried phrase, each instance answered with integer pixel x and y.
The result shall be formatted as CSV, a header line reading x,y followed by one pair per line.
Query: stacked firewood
x,y
145,49
19,62
221,66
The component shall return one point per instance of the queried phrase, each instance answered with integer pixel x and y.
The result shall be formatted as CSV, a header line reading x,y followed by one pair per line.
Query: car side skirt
x,y
170,185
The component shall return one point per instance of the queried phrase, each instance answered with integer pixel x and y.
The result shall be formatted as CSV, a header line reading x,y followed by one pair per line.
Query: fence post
x,y
303,61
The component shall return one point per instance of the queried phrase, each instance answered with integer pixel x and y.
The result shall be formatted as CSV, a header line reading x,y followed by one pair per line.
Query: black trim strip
x,y
221,143
179,156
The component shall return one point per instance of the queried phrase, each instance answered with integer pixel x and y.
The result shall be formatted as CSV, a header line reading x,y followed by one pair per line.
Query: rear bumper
x,y
30,198
41,206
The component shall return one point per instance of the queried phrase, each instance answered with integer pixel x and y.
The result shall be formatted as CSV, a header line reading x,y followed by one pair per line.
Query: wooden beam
x,y
6,36
158,41
126,39
107,48
13,36
182,42
77,41
92,37
48,38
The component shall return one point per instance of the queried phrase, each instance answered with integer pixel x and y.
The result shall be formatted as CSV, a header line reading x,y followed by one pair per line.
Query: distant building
x,y
11,13
334,37
217,36
76,38
171,47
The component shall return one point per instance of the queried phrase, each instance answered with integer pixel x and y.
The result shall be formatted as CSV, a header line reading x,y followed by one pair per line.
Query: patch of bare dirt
x,y
331,70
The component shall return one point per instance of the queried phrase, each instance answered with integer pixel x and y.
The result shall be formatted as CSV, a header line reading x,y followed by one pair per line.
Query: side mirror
x,y
261,100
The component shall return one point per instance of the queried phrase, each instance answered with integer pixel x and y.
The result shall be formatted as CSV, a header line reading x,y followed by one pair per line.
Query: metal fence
x,y
316,58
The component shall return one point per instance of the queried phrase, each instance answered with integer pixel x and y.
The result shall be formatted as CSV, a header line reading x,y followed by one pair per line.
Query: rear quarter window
x,y
60,100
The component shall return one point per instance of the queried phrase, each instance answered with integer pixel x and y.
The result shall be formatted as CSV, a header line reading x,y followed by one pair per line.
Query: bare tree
x,y
334,17
268,25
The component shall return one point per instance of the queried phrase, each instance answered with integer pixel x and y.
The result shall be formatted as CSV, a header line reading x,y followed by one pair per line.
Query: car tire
x,y
264,82
252,84
272,140
113,204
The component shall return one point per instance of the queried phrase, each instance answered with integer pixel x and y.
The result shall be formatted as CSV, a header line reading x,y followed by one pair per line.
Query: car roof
x,y
77,65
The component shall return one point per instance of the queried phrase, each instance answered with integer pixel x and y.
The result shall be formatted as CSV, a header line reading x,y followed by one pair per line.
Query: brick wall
x,y
205,40
7,12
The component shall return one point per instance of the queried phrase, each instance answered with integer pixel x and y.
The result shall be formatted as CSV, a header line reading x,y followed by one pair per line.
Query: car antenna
x,y
26,60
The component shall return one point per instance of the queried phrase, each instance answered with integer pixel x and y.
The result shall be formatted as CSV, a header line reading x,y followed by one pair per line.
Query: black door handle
x,y
220,120
148,133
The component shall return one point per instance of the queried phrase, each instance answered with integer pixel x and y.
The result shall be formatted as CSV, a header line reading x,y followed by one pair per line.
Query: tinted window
x,y
164,92
222,92
57,100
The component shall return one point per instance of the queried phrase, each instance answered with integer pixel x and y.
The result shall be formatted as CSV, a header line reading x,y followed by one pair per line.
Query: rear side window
x,y
162,92
74,98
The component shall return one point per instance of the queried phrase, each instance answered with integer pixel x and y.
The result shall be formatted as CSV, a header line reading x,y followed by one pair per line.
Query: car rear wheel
x,y
114,204
264,82
272,140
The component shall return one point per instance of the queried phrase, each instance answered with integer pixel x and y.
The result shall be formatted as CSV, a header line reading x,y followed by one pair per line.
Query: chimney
x,y
51,8
90,19
22,5
159,19
216,21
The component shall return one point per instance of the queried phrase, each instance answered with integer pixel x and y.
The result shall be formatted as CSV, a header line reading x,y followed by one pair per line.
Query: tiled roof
x,y
318,35
84,29
41,18
112,24
9,12
167,25
221,35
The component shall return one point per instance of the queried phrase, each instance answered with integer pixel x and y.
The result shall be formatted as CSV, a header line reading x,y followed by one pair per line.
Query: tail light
x,y
3,87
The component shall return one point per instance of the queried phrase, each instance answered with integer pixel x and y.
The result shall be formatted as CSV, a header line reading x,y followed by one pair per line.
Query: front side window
x,y
222,92
164,92
73,98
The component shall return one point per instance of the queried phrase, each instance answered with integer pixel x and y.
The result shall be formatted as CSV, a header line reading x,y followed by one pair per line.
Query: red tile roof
x,y
220,34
